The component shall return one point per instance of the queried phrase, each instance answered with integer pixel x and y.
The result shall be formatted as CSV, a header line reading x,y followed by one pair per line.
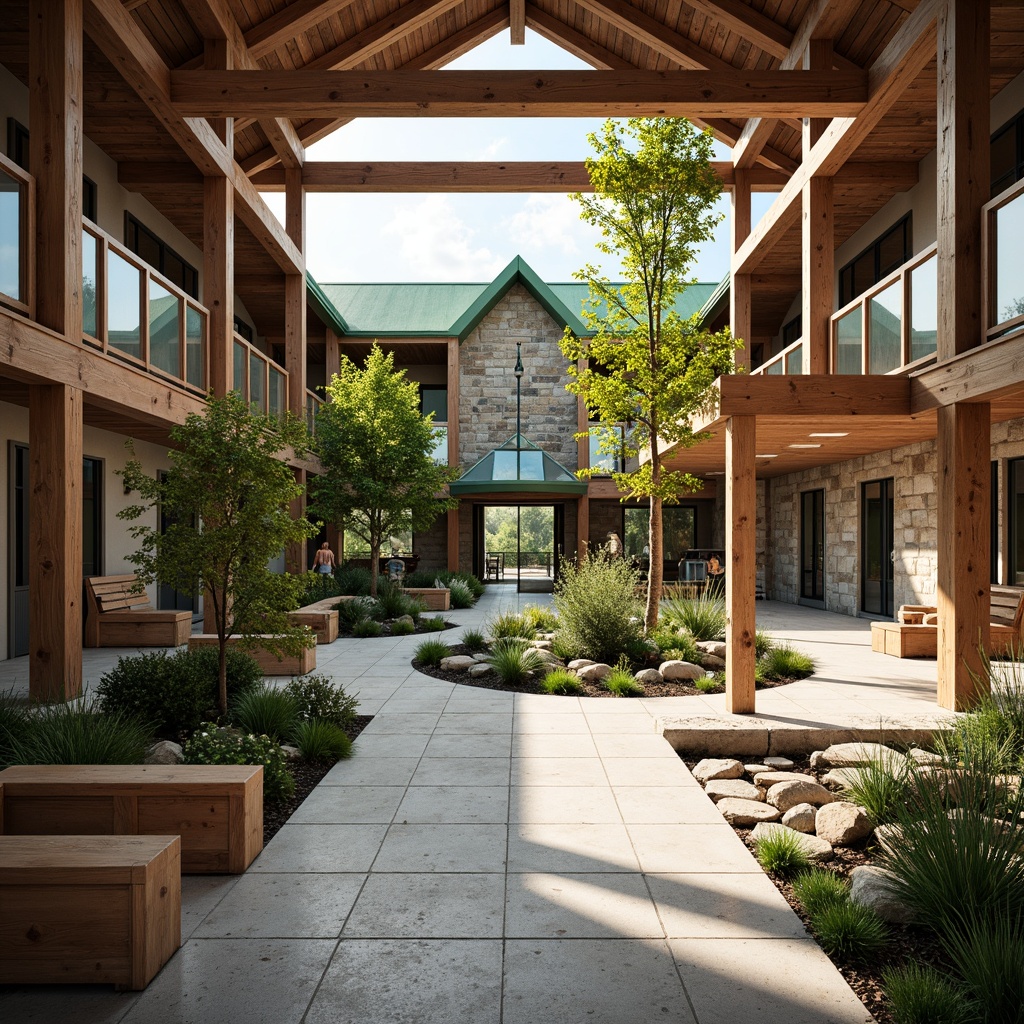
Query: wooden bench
x,y
436,599
321,617
915,636
216,809
120,616
270,663
100,909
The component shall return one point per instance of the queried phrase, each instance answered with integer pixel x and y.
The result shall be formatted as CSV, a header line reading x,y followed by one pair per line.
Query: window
x,y
90,199
993,537
92,517
812,545
1008,155
434,399
792,331
882,257
17,150
678,531
1015,513
243,330
141,241
635,530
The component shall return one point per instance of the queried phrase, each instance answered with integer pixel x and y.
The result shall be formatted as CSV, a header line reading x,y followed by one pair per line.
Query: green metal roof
x,y
518,467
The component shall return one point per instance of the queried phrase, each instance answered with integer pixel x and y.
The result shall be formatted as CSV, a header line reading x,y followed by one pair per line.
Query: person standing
x,y
323,560
614,545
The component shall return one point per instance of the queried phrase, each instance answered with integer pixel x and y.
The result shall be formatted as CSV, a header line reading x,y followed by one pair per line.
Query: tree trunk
x,y
222,675
374,562
657,571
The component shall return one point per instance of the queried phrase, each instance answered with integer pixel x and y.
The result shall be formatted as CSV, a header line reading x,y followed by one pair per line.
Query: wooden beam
x,y
55,542
217,56
453,539
740,563
295,342
517,22
577,43
740,290
291,22
986,372
295,552
818,262
963,520
332,354
219,281
819,54
305,93
747,23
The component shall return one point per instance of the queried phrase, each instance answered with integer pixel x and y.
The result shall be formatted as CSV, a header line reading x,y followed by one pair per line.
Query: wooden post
x,y
295,295
740,563
582,525
55,160
219,280
332,354
453,447
818,56
963,521
818,272
453,540
295,553
739,293
55,542
219,56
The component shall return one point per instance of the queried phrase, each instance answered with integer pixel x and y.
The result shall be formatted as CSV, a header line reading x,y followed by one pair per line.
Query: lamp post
x,y
518,371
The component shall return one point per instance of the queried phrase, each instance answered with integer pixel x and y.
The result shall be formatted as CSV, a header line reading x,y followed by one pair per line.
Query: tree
x,y
654,192
226,498
379,476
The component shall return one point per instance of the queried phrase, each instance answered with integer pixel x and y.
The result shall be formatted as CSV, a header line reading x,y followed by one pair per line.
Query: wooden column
x,y
740,563
55,542
964,169
818,56
453,540
332,354
295,553
818,272
739,292
219,56
55,159
453,447
219,280
295,295
582,525
964,494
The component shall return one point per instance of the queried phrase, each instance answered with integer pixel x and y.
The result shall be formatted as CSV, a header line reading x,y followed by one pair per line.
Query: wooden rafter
x,y
290,22
517,22
747,23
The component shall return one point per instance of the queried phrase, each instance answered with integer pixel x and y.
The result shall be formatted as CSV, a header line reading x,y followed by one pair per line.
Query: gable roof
x,y
518,467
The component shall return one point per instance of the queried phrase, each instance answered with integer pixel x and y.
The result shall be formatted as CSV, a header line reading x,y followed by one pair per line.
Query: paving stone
x,y
747,812
814,847
754,769
717,768
779,763
718,789
785,795
842,823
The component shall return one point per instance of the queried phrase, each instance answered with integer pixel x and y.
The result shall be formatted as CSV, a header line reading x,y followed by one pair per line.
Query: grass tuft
x,y
919,994
849,931
780,853
512,661
622,684
431,652
265,711
79,733
561,681
819,888
319,740
367,628
785,663
702,617
474,640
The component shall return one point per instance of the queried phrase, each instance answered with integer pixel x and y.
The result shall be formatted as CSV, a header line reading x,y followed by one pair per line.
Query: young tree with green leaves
x,y
226,499
379,475
648,367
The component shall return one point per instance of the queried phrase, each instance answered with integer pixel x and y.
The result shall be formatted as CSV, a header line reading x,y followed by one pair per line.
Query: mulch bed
x,y
307,776
344,631
492,682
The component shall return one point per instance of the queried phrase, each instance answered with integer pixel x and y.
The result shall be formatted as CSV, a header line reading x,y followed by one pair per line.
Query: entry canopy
x,y
518,467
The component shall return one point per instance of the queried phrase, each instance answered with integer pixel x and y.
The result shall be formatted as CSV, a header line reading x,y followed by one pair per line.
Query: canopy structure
x,y
518,467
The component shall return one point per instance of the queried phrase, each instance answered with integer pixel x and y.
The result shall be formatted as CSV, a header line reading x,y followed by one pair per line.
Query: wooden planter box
x,y
100,909
437,599
269,662
323,621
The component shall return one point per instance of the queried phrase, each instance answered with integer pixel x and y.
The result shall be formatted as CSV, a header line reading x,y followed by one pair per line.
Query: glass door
x,y
812,545
877,554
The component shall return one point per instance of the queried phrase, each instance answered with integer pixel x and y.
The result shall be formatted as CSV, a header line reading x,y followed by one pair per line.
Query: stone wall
x,y
432,545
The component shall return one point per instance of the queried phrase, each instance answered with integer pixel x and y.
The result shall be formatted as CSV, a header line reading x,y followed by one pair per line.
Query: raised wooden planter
x,y
100,909
216,809
269,662
323,621
118,616
437,599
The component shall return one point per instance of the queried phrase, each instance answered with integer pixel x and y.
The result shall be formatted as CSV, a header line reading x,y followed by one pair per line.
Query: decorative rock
x,y
481,657
779,763
577,663
754,769
872,887
785,795
923,757
406,620
457,663
765,780
546,656
888,836
747,812
814,847
800,817
481,668
713,663
718,789
541,645
715,648
717,768
681,670
291,753
164,752
840,778
649,675
818,760
594,672
846,755
842,823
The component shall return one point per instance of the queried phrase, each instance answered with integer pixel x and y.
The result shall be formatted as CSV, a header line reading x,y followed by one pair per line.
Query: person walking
x,y
614,545
323,560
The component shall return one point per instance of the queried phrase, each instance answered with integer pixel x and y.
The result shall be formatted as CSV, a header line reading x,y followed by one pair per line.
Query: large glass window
x,y
635,531
92,517
1008,155
678,531
147,246
11,241
887,253
124,300
877,547
1015,513
434,399
812,545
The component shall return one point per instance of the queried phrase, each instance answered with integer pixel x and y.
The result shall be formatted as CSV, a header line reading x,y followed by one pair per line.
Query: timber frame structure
x,y
198,105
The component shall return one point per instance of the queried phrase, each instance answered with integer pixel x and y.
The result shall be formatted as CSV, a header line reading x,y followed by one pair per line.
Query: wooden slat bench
x,y
321,617
915,637
216,809
269,662
100,909
119,616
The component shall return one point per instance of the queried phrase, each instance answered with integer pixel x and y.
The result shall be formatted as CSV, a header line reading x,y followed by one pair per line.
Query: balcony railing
x,y
258,379
17,207
1003,227
789,361
892,325
132,312
313,403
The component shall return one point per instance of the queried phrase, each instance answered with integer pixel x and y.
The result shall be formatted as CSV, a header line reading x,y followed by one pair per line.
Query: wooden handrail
x,y
780,357
268,366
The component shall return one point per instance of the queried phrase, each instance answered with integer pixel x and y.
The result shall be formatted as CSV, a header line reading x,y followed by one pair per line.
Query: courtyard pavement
x,y
489,857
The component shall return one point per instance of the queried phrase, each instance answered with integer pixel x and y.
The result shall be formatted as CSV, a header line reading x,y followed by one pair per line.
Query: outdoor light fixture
x,y
838,433
766,456
518,371
805,446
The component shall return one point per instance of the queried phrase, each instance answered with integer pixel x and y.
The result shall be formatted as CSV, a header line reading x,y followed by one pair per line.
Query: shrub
x,y
920,994
708,684
81,733
598,612
561,681
431,652
392,602
352,579
474,640
785,663
266,711
511,624
702,617
622,684
319,587
351,612
225,746
402,627
685,649
433,623
319,740
459,595
543,620
512,661
316,697
444,578
990,957
367,628
763,643
561,650
849,930
880,787
14,717
819,888
780,853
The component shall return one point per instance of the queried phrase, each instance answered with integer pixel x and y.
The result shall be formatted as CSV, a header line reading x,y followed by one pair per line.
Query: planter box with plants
x,y
270,662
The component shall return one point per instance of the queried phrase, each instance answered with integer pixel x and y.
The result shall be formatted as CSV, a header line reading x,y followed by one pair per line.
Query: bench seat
x,y
118,615
88,909
269,662
321,617
216,809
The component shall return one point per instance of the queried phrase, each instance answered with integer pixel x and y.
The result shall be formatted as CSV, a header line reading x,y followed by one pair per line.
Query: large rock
x,y
840,778
541,645
682,670
765,780
872,887
715,648
719,789
290,752
817,760
711,662
923,757
649,675
457,663
815,848
594,672
481,668
481,657
842,823
747,812
800,817
717,768
577,663
888,836
779,764
846,755
164,752
788,794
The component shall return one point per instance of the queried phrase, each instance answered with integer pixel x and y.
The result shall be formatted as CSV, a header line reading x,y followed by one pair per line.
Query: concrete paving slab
x,y
558,771
583,804
572,847
690,848
445,848
389,746
372,771
475,724
648,771
349,804
469,745
462,771
321,848
454,804
555,723
653,804
541,745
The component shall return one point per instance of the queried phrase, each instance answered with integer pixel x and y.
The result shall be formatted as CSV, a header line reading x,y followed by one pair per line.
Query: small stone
x,y
818,760
715,648
481,668
923,757
842,823
541,645
594,672
800,817
709,661
785,795
457,663
814,847
765,780
481,657
846,755
873,887
747,812
754,769
682,670
718,789
164,752
406,620
649,676
779,763
546,656
577,663
717,768
291,753
840,778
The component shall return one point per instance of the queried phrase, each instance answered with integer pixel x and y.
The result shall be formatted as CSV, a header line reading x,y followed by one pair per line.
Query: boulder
x,y
747,812
481,657
785,795
888,836
594,672
718,789
815,848
711,662
682,670
800,817
842,823
546,656
577,663
541,645
291,753
840,778
481,668
779,763
846,755
818,760
649,675
717,768
765,780
872,887
715,648
923,757
406,620
164,752
457,663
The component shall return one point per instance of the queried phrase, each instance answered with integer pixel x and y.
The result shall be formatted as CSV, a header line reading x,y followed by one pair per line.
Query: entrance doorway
x,y
877,553
519,544
812,545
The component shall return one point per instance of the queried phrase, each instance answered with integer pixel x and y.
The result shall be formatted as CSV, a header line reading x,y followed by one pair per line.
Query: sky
x,y
465,237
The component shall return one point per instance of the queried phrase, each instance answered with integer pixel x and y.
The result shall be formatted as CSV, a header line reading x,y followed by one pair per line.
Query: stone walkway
x,y
489,857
